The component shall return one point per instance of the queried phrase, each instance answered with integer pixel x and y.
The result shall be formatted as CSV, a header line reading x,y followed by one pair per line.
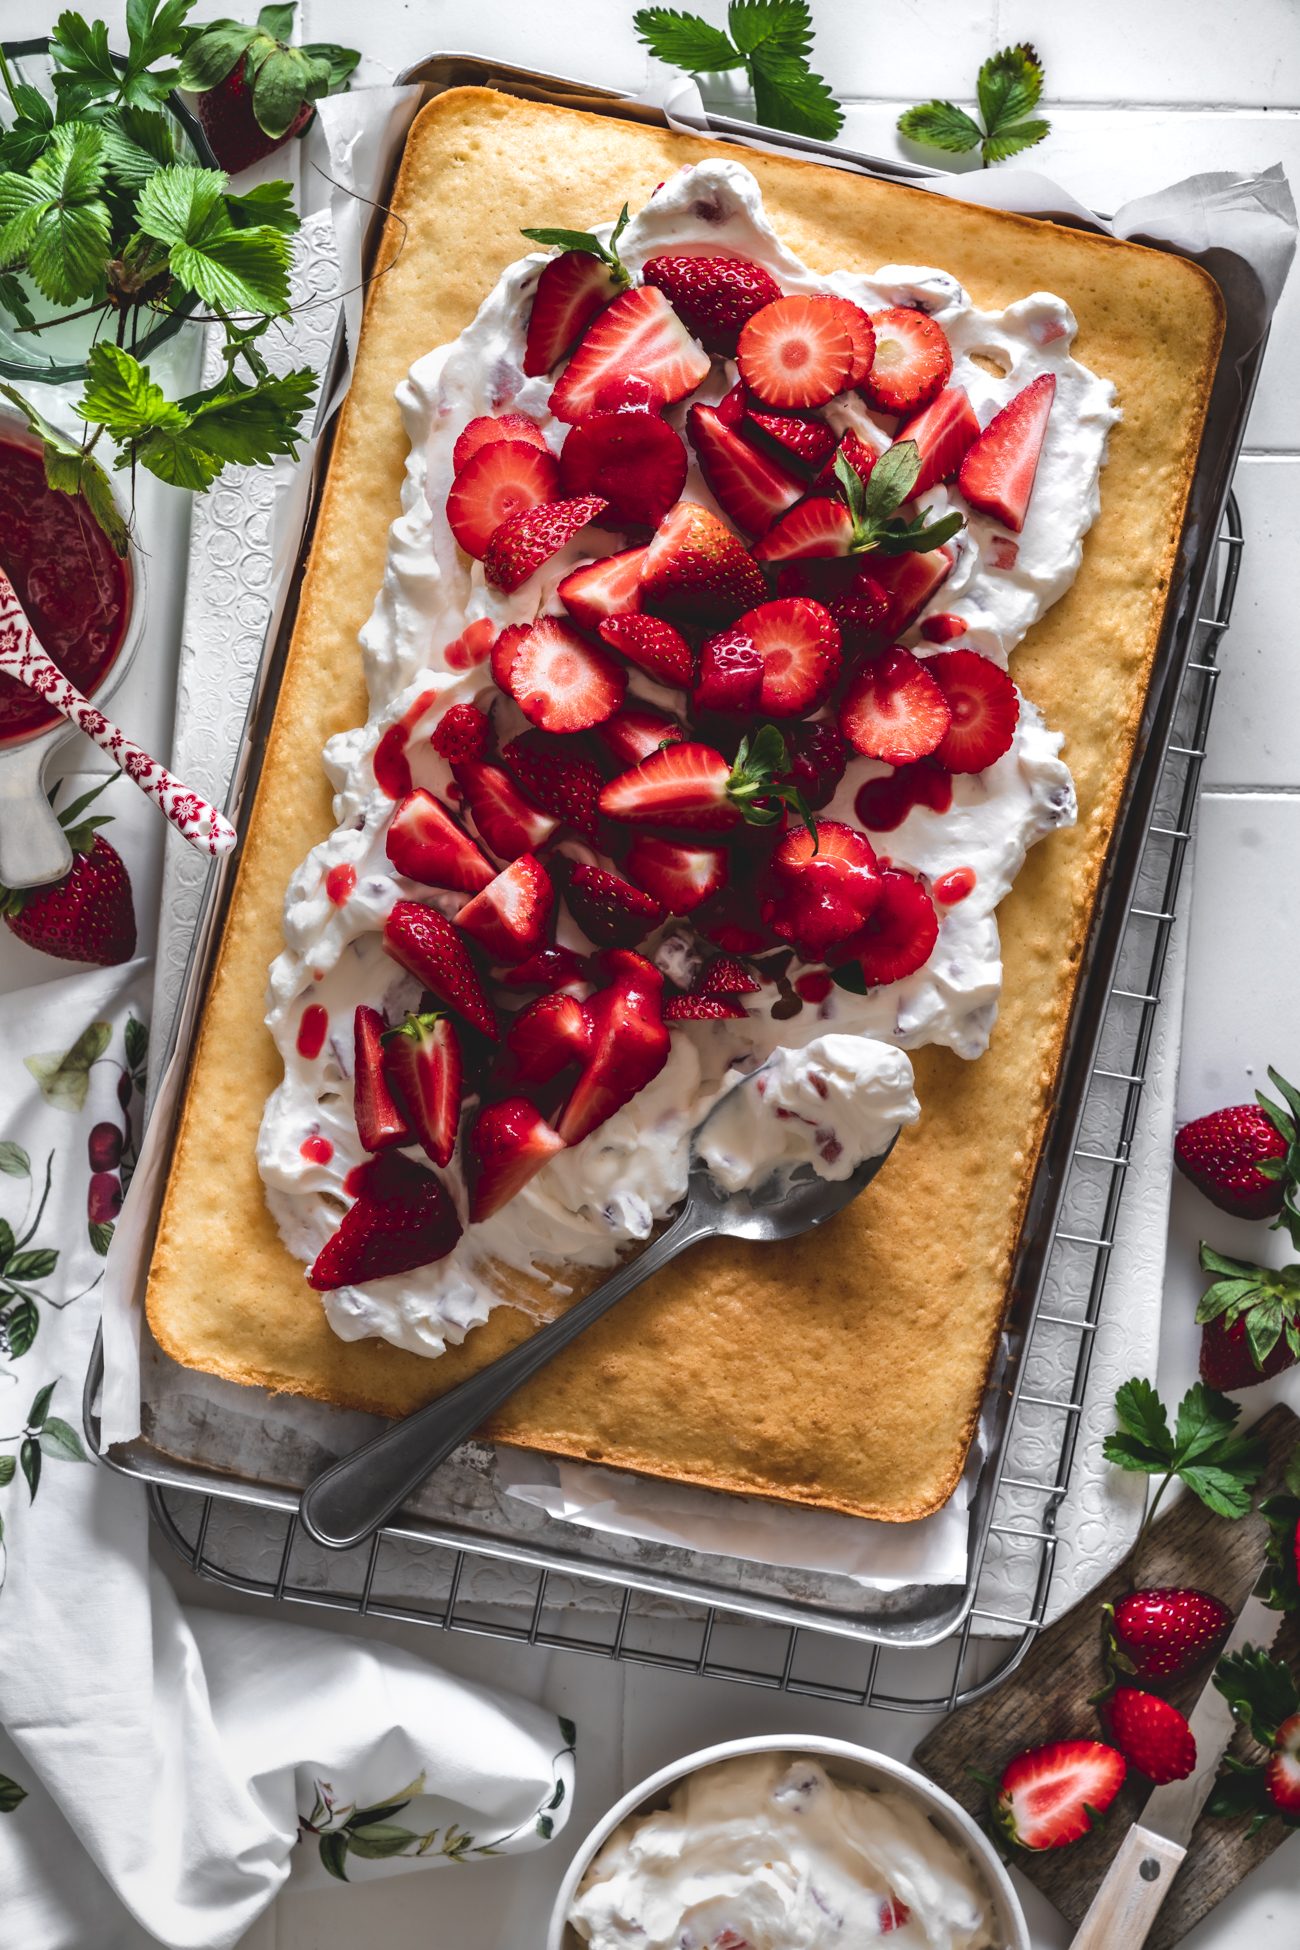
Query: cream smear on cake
x,y
590,1203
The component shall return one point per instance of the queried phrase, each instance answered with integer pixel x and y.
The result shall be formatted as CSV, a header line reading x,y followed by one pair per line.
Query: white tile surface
x,y
1256,725
1244,51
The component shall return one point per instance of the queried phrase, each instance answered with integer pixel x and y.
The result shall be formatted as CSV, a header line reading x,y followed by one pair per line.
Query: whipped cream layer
x,y
775,1855
590,1203
831,1105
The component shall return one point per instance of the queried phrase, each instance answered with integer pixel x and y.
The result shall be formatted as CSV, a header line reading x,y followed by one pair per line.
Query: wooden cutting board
x,y
1047,1699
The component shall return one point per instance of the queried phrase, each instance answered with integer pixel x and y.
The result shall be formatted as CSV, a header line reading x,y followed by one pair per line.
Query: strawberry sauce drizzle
x,y
883,804
340,883
317,1150
952,887
392,767
471,646
943,627
814,986
311,1031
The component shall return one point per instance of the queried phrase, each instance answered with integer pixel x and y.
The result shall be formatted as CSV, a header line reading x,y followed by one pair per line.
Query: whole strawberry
x,y
254,91
1163,1633
1151,1734
1265,1697
86,916
1245,1158
1250,1321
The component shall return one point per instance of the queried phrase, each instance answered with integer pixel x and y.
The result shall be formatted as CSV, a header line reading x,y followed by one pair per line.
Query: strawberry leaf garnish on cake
x,y
873,505
1203,1450
770,39
694,787
589,244
1009,86
571,289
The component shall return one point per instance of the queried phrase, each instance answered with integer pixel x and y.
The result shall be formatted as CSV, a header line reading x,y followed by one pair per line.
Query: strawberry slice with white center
x,y
828,885
817,528
639,337
725,975
380,1123
894,710
943,431
501,658
997,475
984,708
610,587
520,545
796,352
547,1036
502,479
550,968
636,731
857,323
495,426
899,934
695,787
909,581
731,673
423,1059
653,645
704,1008
424,843
425,942
913,360
803,442
401,1219
508,823
509,1142
1050,1796
751,490
509,917
609,910
678,877
635,461
560,681
629,1044
557,778
570,291
799,643
713,296
697,569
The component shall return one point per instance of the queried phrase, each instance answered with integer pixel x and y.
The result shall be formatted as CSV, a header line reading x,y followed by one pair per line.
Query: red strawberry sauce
x,y
392,766
311,1031
317,1150
76,591
815,986
471,646
884,803
340,883
952,887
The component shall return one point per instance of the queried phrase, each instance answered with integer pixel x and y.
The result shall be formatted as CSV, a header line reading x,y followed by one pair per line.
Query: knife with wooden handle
x,y
1126,1905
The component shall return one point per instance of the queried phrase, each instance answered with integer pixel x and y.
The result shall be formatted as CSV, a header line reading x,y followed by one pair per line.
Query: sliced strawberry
x,y
727,976
380,1123
570,291
984,707
561,682
424,843
520,545
731,672
547,1036
913,360
796,352
713,296
549,968
943,627
893,709
678,877
425,942
820,526
634,461
1049,1796
732,406
856,451
401,1219
799,643
997,475
508,823
704,1008
461,732
500,480
750,489
510,1142
638,337
803,442
909,581
827,885
733,922
942,431
857,323
502,658
653,645
894,1915
610,587
695,567
423,1059
818,761
862,609
509,917
693,786
629,1045
556,777
489,427
636,731
609,910
900,933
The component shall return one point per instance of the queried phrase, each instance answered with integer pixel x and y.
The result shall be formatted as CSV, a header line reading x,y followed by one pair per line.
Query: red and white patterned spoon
x,y
21,656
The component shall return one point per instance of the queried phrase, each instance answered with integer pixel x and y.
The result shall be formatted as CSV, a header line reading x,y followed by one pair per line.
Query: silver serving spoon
x,y
351,1499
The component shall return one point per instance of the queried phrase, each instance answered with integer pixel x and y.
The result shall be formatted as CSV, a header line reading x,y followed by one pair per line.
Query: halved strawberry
x,y
751,490
984,707
827,883
461,732
796,352
731,672
693,786
635,461
704,1008
610,587
610,910
857,323
520,545
494,426
818,760
803,441
1048,1796
400,1219
893,709
997,475
629,1044
856,451
500,480
509,917
943,627
638,337
713,296
943,431
424,843
547,1036
900,933
799,643
425,942
556,777
508,823
423,1059
727,976
380,1123
510,1142
561,682
502,656
732,406
636,731
572,288
913,360
820,526
550,968
653,645
678,877
695,567
909,581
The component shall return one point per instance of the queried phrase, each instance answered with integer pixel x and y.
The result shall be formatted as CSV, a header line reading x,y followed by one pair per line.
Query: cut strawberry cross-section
x,y
424,843
635,461
380,1123
828,882
629,1044
509,917
984,707
509,823
1051,1796
798,643
502,479
520,545
495,426
696,569
549,968
610,587
425,942
547,1036
562,682
898,938
713,296
820,526
751,490
401,1219
942,431
557,778
653,645
804,442
510,1142
893,709
638,337
608,909
731,672
857,323
636,731
913,360
997,475
423,1059
909,582
796,352
570,291
678,877
693,786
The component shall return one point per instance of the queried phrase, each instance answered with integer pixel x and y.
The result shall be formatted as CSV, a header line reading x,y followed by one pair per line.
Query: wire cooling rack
x,y
257,1547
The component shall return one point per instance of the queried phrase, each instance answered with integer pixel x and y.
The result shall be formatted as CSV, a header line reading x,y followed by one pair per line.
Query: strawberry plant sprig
x,y
1007,89
874,505
1203,1451
770,39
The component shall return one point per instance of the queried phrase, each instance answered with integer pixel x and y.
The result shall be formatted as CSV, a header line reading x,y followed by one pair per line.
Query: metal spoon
x,y
351,1499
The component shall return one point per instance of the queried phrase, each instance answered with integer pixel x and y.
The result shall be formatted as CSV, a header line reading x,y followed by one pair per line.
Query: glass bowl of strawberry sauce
x,y
86,605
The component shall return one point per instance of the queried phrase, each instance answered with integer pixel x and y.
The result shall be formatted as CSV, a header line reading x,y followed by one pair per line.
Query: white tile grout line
x,y
1249,791
1245,111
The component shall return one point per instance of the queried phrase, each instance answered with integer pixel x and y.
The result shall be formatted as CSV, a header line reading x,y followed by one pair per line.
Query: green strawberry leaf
x,y
1009,86
1009,142
940,125
59,1438
770,39
685,41
587,242
286,79
14,1161
212,54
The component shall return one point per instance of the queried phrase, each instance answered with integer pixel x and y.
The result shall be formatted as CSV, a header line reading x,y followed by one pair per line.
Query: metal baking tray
x,y
461,1510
